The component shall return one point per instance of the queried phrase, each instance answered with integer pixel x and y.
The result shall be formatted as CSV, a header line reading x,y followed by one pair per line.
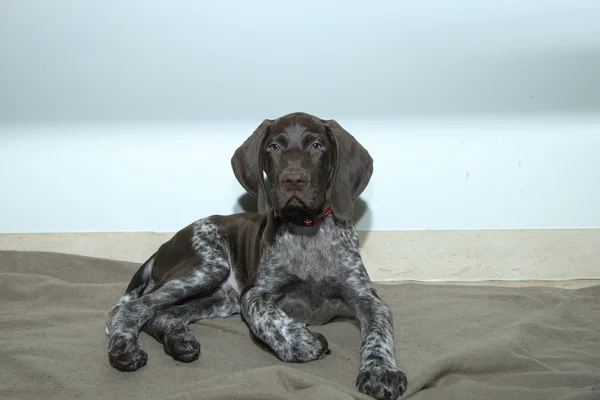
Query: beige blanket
x,y
454,342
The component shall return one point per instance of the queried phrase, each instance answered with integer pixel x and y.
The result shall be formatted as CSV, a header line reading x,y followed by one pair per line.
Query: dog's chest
x,y
306,272
309,257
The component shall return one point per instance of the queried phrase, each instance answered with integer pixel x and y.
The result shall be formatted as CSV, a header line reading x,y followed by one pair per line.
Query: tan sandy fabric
x,y
453,342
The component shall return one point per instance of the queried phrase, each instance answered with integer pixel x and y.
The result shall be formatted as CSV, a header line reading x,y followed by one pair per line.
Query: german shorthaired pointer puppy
x,y
294,263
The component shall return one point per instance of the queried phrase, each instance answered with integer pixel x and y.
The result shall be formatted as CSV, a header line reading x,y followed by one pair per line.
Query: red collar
x,y
308,221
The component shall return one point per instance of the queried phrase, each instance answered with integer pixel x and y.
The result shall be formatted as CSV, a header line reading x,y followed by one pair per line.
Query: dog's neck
x,y
301,219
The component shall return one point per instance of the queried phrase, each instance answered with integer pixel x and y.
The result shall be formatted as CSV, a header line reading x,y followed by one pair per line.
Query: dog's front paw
x,y
321,346
304,348
381,382
125,354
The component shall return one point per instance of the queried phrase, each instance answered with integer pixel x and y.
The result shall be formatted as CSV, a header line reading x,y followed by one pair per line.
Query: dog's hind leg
x,y
140,283
194,277
170,325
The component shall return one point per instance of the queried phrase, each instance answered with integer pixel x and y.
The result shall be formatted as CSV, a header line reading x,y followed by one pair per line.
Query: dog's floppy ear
x,y
352,170
248,167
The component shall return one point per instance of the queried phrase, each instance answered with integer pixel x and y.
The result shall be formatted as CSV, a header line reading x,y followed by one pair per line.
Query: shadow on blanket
x,y
454,342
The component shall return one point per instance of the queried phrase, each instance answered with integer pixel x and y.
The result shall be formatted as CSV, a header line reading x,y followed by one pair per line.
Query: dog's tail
x,y
138,285
139,282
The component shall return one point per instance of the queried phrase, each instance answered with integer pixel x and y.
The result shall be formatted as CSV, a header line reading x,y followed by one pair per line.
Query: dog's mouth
x,y
295,206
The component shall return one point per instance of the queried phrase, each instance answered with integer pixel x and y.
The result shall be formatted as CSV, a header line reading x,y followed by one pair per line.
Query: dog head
x,y
300,164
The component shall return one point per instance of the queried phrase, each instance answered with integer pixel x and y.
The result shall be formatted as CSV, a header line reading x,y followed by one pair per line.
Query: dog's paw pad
x,y
182,346
125,354
186,349
382,383
129,361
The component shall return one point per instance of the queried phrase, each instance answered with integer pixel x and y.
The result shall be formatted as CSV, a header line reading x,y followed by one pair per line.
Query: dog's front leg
x,y
378,375
290,340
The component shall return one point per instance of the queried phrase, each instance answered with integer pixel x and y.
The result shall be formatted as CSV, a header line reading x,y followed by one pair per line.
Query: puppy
x,y
294,263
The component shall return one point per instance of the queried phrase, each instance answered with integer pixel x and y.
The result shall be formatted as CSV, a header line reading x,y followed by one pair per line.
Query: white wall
x,y
122,116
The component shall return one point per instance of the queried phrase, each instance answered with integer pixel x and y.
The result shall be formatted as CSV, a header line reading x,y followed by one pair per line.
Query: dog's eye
x,y
317,146
274,147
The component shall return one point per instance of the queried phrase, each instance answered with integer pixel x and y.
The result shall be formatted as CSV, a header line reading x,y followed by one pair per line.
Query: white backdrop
x,y
123,115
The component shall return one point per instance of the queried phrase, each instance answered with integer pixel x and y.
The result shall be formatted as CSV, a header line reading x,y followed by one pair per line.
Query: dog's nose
x,y
294,180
